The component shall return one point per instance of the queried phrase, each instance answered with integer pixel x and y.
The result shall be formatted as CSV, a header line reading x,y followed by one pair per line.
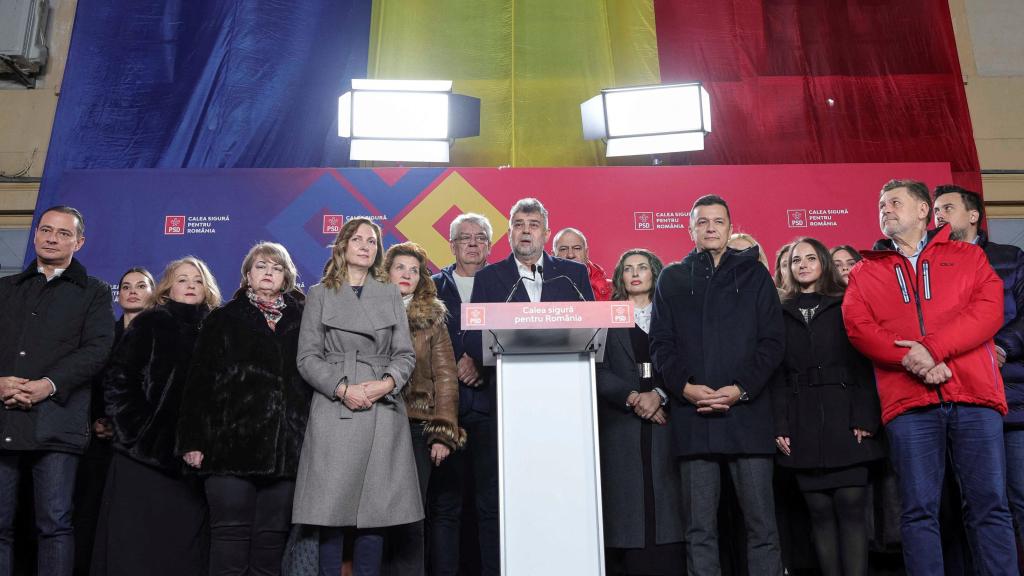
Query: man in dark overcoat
x,y
58,327
716,337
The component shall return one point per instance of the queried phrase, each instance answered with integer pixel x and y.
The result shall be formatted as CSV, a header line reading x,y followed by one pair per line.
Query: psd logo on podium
x,y
174,225
475,316
620,314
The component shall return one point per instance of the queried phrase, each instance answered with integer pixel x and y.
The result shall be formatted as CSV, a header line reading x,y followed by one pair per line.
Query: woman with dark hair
x,y
244,412
134,294
643,529
432,394
152,519
356,469
844,257
826,411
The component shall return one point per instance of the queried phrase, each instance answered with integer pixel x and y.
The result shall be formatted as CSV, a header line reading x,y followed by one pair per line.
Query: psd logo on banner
x,y
174,225
333,223
797,218
643,220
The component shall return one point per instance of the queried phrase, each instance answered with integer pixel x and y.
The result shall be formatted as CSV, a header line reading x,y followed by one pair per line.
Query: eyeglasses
x,y
476,238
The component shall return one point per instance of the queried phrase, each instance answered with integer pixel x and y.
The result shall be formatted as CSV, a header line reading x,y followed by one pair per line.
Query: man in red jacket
x,y
924,309
571,244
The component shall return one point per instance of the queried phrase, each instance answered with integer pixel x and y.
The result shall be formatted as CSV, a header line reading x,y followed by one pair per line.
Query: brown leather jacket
x,y
432,394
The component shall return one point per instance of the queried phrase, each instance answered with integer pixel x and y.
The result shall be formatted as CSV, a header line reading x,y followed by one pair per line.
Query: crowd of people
x,y
268,434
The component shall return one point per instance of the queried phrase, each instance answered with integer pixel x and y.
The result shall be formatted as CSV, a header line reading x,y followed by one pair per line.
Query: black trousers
x,y
249,522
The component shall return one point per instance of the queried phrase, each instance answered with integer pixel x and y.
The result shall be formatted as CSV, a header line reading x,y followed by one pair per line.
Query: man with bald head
x,y
571,244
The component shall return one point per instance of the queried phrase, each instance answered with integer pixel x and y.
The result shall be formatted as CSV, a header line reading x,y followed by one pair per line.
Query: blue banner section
x,y
206,84
150,217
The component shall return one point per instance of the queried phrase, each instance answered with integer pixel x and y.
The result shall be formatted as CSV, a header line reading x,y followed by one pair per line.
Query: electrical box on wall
x,y
23,49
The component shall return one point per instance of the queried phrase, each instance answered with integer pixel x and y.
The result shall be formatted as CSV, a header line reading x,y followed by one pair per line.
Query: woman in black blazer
x,y
826,410
643,529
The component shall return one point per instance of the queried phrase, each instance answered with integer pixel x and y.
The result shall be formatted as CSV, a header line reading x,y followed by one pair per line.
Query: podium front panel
x,y
549,469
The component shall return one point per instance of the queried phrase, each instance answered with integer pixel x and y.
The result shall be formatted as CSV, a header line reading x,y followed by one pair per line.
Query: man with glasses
x,y
470,243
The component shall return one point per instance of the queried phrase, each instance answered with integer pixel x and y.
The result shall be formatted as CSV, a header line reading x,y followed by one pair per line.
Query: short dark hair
x,y
79,226
918,190
853,251
972,200
711,200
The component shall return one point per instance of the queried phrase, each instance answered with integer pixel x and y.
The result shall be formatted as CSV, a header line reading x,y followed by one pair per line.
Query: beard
x,y
957,233
526,253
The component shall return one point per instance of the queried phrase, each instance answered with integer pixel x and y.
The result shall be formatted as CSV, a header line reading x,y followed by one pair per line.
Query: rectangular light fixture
x,y
405,120
649,119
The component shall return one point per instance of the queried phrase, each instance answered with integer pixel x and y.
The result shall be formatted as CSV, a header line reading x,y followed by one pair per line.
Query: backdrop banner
x,y
149,217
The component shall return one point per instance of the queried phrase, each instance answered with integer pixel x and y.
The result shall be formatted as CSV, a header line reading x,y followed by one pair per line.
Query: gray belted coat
x,y
356,468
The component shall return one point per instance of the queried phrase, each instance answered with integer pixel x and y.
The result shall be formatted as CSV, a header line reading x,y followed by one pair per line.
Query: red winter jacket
x,y
601,285
952,304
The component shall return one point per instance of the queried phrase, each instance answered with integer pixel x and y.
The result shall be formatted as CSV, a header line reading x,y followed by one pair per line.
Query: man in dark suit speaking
x,y
529,274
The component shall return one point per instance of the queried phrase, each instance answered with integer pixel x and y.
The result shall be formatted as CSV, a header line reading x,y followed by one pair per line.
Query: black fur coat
x,y
245,406
143,384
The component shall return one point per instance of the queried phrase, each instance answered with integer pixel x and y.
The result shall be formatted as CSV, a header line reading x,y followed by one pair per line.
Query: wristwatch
x,y
744,397
662,395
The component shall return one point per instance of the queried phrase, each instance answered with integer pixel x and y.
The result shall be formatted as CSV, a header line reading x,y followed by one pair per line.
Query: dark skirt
x,y
150,523
822,480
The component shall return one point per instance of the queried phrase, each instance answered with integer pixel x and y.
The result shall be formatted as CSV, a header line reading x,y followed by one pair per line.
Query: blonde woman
x,y
152,517
356,470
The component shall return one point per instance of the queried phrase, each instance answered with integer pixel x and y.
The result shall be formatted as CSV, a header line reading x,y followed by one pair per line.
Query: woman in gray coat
x,y
643,529
356,469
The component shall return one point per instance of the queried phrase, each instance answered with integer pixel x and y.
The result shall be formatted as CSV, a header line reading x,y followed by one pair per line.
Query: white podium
x,y
548,461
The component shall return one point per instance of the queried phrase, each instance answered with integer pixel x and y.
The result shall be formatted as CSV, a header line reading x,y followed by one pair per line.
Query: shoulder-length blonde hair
x,y
336,269
275,253
425,288
212,292
761,256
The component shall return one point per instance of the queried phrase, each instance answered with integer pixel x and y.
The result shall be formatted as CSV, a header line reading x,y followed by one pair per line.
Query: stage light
x,y
405,120
648,119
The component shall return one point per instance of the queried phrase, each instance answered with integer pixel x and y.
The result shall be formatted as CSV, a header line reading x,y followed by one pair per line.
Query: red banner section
x,y
149,217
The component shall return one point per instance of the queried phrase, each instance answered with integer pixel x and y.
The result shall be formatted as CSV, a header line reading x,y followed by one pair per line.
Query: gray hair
x,y
529,206
571,231
478,219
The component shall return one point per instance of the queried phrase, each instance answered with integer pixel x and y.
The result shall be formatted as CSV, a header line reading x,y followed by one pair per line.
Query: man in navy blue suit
x,y
529,274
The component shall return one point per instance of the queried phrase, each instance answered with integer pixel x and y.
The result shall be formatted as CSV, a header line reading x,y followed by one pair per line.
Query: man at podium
x,y
716,338
528,275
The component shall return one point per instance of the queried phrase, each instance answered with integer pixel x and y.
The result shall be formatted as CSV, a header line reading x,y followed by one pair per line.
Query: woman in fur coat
x,y
244,413
432,395
152,518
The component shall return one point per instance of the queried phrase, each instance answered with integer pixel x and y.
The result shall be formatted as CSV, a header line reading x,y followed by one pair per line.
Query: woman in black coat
x,y
152,518
135,294
244,413
643,529
826,411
